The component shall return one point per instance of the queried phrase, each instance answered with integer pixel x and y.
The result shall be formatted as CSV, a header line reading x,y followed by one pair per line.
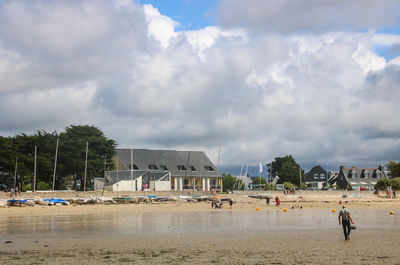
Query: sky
x,y
244,81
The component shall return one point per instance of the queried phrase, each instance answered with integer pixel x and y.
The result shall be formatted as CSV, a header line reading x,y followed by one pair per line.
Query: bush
x,y
287,185
26,187
382,184
395,183
269,186
43,186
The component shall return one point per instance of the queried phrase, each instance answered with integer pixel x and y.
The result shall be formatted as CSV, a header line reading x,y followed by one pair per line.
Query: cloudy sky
x,y
319,80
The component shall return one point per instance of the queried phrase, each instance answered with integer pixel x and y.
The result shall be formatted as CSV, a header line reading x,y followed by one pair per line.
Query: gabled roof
x,y
179,163
359,178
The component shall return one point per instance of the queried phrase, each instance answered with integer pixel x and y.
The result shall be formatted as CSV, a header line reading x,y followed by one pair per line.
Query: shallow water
x,y
128,224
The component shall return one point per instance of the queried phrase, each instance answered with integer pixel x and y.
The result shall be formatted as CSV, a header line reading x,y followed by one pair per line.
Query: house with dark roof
x,y
358,178
144,169
316,178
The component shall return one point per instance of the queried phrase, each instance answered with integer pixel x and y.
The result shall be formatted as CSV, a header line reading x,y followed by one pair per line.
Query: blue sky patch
x,y
190,14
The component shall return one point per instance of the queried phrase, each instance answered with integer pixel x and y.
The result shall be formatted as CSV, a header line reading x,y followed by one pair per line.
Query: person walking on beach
x,y
278,202
344,220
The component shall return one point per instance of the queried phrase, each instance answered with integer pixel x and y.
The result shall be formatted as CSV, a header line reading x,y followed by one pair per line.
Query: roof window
x,y
163,167
134,167
209,168
153,167
181,167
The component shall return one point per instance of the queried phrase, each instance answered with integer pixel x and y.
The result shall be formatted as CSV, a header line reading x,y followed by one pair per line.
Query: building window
x,y
353,174
321,176
316,176
366,174
181,167
163,167
153,167
377,174
134,166
209,168
192,168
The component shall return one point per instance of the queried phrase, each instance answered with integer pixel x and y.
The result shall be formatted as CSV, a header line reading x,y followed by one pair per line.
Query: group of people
x,y
13,192
292,190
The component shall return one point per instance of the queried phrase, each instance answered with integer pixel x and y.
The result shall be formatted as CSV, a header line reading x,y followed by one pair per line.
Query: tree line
x,y
17,156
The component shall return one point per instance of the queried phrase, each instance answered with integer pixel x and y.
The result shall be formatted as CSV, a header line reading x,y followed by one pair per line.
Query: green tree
x,y
73,152
395,183
382,184
286,168
259,180
228,181
7,160
394,168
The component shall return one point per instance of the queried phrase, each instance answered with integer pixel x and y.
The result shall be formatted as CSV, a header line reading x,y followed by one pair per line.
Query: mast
x,y
117,177
34,171
55,165
15,172
131,172
84,181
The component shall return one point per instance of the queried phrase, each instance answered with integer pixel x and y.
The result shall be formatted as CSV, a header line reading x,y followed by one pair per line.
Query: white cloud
x,y
160,27
323,97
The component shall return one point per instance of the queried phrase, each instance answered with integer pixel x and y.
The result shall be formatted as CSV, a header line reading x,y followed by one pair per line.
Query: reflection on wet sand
x,y
243,237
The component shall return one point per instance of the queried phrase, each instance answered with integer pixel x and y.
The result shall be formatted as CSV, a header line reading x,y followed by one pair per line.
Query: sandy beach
x,y
194,233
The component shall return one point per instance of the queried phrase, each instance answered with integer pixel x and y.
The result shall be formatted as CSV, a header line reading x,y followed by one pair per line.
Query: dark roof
x,y
359,177
309,176
174,161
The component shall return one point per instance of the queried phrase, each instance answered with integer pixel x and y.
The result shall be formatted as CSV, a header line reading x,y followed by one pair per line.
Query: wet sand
x,y
193,233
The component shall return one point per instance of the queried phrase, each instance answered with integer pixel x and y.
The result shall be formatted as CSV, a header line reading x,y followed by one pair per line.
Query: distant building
x,y
317,177
161,170
359,178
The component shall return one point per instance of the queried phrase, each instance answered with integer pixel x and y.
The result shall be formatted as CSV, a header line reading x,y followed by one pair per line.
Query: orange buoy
x,y
284,209
333,210
391,212
257,209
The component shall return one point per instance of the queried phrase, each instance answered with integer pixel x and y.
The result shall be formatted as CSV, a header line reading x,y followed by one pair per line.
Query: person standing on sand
x,y
346,218
278,202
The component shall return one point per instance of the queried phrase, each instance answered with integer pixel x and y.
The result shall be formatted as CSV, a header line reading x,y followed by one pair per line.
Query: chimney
x,y
381,167
341,169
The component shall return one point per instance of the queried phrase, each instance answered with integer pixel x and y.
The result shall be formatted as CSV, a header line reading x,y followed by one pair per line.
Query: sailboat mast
x,y
34,171
55,166
15,172
84,181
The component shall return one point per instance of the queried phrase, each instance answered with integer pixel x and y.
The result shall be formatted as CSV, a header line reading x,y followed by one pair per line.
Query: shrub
x,y
26,187
382,184
43,186
269,186
395,183
287,185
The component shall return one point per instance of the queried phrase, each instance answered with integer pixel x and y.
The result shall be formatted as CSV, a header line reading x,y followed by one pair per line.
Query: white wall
x,y
162,185
128,185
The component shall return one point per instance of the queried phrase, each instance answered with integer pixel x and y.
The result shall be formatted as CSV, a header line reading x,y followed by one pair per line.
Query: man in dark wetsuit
x,y
344,220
